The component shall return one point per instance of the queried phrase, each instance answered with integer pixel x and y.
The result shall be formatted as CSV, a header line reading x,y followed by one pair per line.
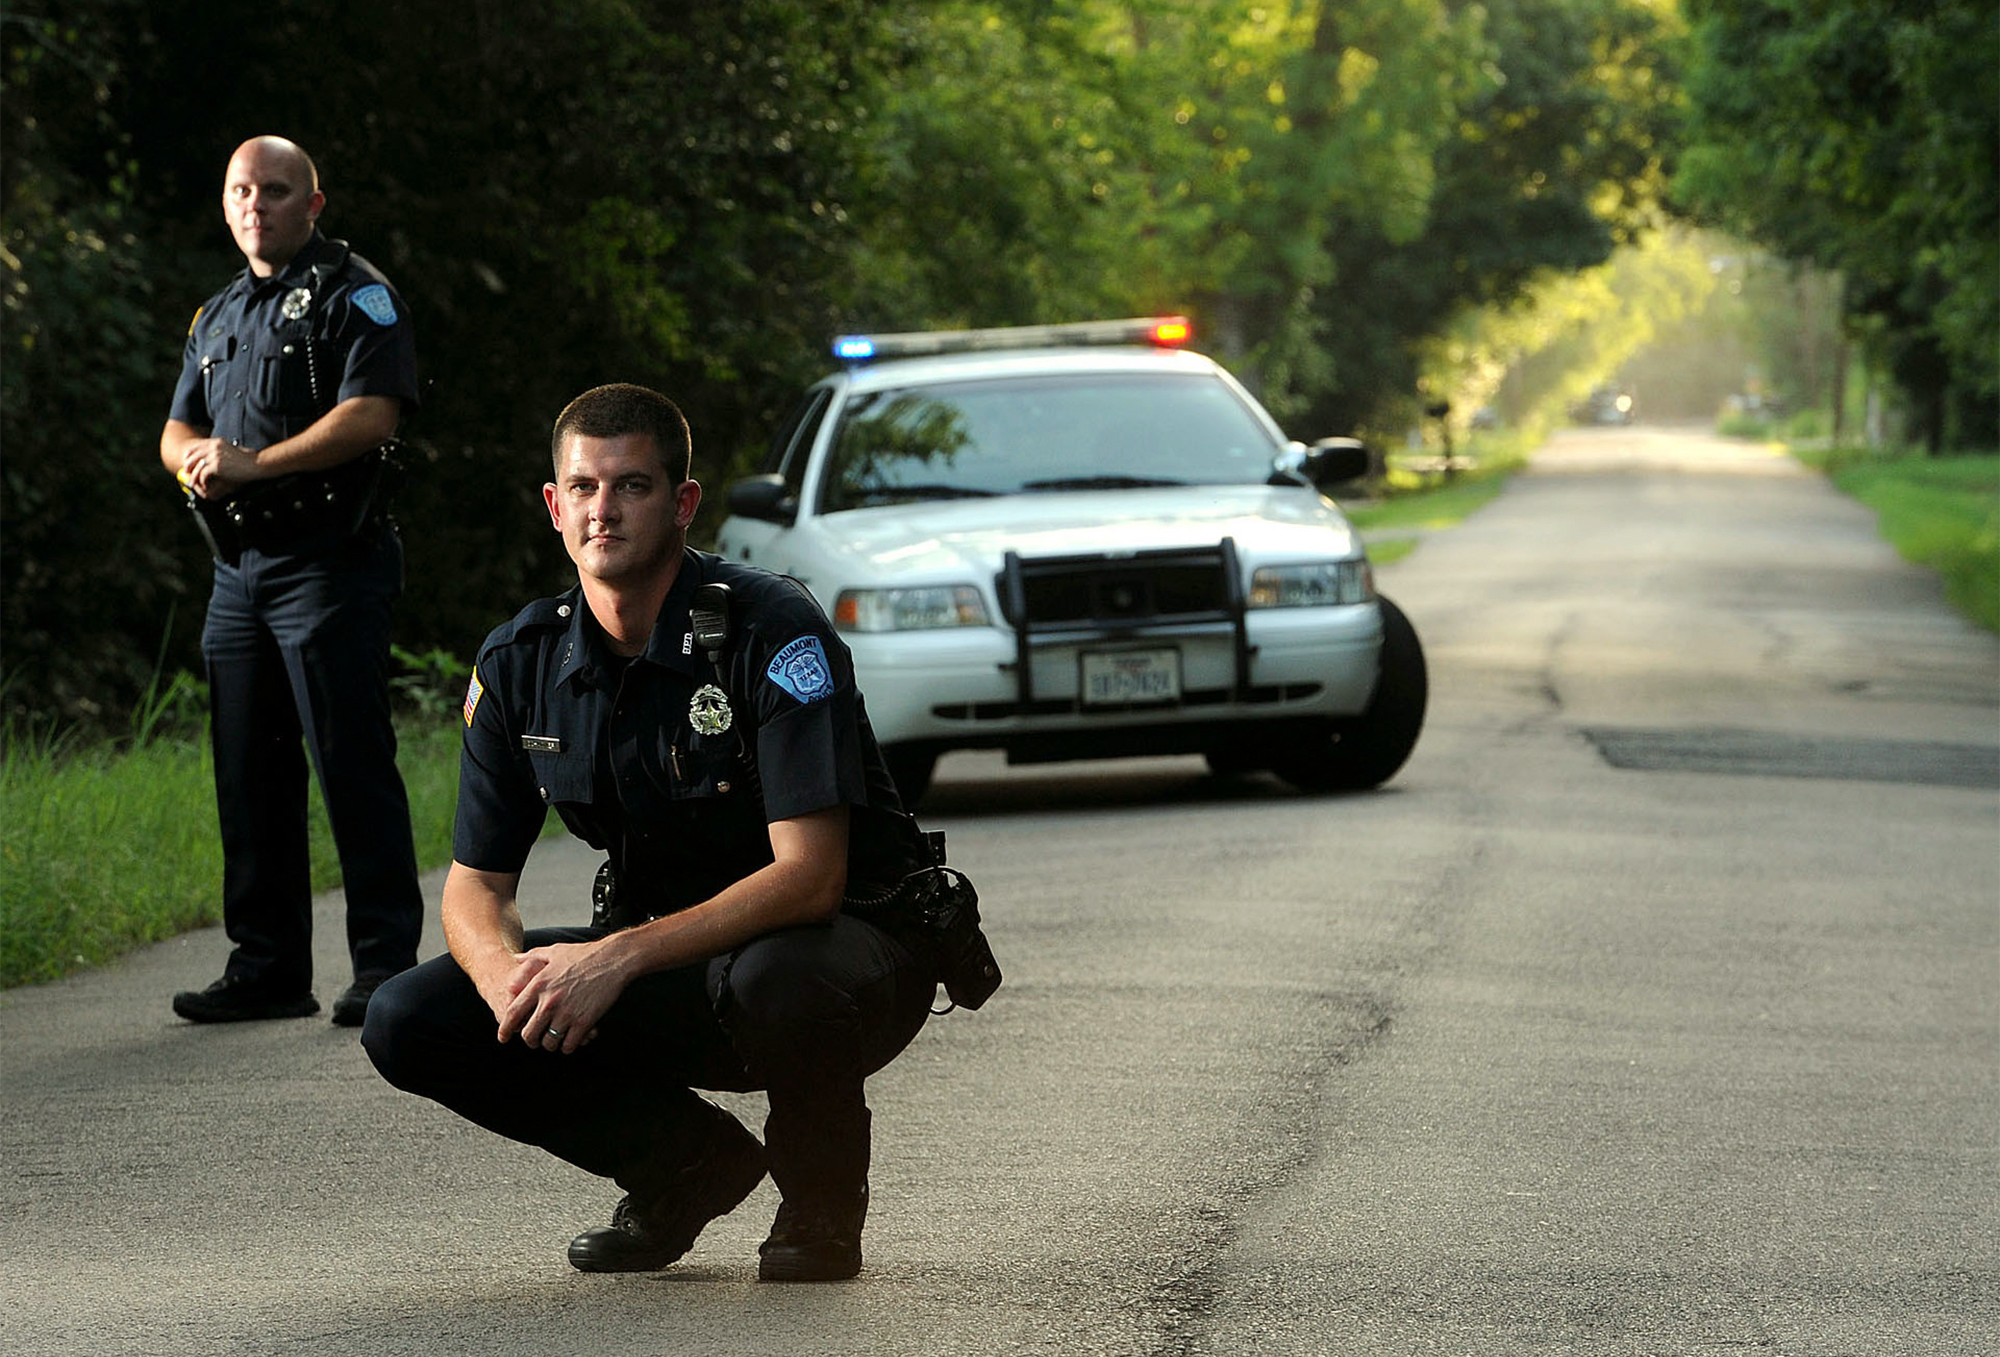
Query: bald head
x,y
271,199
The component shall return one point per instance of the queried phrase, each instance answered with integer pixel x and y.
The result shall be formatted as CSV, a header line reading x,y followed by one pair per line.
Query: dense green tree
x,y
987,194
1555,158
1864,136
576,191
565,193
81,335
1325,185
1322,120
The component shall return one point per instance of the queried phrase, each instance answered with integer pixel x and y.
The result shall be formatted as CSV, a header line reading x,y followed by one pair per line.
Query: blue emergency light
x,y
1166,332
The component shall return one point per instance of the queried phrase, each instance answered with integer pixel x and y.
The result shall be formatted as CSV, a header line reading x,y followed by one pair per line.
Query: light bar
x,y
1165,332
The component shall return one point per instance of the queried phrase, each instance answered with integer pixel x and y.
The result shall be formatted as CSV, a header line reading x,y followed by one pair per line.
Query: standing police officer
x,y
747,813
293,376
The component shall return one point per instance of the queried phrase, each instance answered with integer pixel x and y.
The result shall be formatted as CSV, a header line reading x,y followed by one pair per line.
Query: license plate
x,y
1118,678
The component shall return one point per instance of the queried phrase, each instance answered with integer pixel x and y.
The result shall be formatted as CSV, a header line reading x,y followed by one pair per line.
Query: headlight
x,y
1318,584
947,605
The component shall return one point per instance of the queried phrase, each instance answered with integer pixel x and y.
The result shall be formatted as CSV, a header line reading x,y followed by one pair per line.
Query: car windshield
x,y
1027,435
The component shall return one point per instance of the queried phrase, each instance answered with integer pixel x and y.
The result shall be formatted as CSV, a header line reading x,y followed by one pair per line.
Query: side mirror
x,y
1332,461
764,496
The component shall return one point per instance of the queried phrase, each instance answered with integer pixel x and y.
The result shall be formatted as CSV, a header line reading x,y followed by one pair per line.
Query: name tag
x,y
542,744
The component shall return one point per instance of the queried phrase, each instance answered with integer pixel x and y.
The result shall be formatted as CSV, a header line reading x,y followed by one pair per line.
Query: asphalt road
x,y
1651,1010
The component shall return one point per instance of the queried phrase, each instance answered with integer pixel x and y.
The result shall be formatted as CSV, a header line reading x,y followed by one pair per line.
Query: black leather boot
x,y
819,1159
814,1240
653,1227
235,1000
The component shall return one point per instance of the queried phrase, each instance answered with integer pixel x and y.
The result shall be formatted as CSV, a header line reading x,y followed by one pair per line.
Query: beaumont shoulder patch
x,y
473,691
376,304
800,669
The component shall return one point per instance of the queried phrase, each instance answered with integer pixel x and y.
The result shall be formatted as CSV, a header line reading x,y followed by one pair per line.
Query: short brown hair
x,y
622,408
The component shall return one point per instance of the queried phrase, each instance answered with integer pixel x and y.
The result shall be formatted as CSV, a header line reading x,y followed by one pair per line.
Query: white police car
x,y
1081,541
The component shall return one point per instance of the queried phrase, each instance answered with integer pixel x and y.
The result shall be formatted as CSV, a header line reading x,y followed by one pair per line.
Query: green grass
x,y
1438,507
1408,504
106,847
1941,512
1389,550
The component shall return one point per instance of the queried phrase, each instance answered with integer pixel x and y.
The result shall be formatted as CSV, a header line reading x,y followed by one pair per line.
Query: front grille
x,y
1098,595
1145,588
1109,596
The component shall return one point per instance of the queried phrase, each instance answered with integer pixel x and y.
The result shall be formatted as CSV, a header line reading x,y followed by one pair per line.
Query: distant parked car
x,y
1083,541
1605,405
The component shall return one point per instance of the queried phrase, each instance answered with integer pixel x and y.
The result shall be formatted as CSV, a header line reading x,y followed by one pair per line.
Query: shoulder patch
x,y
473,691
376,304
800,669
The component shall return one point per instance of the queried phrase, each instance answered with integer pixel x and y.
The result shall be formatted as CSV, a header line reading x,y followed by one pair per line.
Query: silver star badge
x,y
297,302
709,712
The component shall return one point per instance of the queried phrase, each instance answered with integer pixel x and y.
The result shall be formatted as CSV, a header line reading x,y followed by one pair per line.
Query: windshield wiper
x,y
1102,483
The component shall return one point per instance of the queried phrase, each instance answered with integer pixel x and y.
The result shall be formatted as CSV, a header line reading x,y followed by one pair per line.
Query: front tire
x,y
1365,751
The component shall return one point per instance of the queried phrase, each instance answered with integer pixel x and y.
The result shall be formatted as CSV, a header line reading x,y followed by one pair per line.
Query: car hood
x,y
963,539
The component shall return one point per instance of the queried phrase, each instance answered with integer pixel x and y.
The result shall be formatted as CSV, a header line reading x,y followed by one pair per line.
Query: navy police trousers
x,y
805,1014
297,651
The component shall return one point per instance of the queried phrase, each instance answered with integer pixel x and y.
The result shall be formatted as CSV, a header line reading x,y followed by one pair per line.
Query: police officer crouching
x,y
776,922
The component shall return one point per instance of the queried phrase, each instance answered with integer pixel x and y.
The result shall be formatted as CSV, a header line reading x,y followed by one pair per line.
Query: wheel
x,y
911,766
1366,750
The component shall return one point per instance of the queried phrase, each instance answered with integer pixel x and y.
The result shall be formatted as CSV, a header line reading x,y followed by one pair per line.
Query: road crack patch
x,y
1751,753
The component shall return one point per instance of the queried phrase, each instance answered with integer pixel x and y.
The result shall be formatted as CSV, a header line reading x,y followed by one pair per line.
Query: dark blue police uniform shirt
x,y
254,376
554,719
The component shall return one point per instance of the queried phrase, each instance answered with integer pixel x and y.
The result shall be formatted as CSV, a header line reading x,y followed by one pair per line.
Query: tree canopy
x,y
697,197
1864,136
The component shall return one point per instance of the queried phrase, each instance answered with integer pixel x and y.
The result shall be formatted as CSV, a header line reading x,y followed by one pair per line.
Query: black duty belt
x,y
307,505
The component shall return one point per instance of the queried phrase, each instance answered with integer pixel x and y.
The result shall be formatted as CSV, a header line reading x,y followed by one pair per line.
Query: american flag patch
x,y
473,690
